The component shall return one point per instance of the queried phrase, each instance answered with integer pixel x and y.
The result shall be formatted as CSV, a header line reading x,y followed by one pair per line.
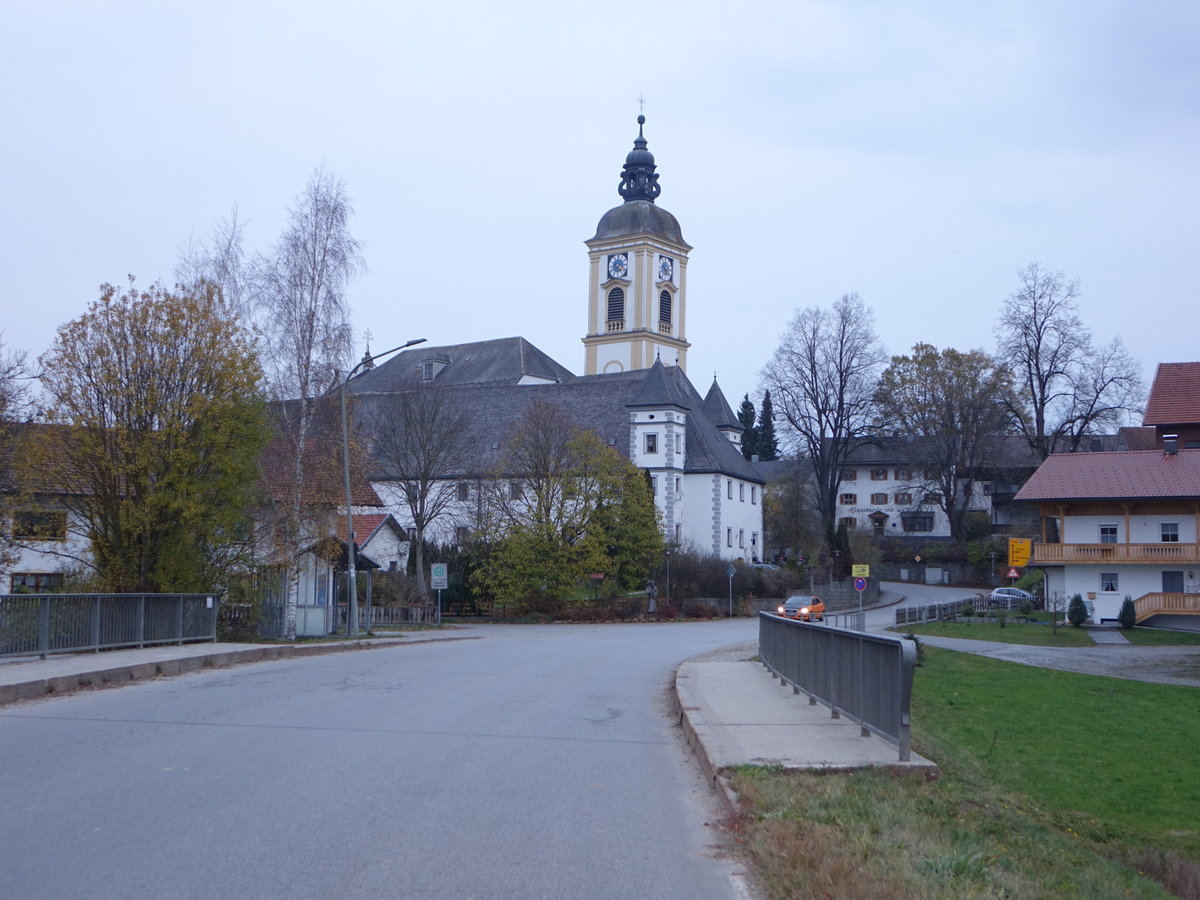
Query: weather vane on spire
x,y
641,105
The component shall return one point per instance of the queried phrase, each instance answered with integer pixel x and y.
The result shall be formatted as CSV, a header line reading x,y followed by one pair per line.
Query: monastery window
x,y
903,499
917,521
40,525
847,499
514,490
678,533
879,499
1108,582
849,474
1108,534
678,484
651,443
678,444
654,484
616,306
849,521
464,491
1170,532
664,308
36,582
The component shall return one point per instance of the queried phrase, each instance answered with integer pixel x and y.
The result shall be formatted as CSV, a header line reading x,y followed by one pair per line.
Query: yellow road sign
x,y
860,571
1019,551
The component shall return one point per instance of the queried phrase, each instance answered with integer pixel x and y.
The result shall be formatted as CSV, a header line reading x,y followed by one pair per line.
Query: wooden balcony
x,y
1169,604
1149,554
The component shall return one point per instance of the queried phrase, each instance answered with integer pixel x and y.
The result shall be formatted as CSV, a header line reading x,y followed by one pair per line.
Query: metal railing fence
x,y
391,615
68,623
866,678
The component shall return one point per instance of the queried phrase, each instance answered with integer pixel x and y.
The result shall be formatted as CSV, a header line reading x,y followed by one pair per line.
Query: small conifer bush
x,y
1077,612
1127,617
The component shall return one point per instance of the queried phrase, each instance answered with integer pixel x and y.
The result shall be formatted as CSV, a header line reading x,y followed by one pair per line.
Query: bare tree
x,y
300,290
822,381
220,261
1064,388
421,450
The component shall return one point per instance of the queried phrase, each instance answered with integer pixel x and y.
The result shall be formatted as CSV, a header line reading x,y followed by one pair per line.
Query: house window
x,y
1108,534
678,444
917,521
741,492
741,538
678,485
36,582
1191,445
728,537
847,499
664,308
879,474
903,474
879,499
753,495
849,474
616,309
460,535
728,490
1172,582
1170,532
412,532
654,484
678,533
849,521
1108,582
652,443
464,491
427,372
40,525
903,499
514,490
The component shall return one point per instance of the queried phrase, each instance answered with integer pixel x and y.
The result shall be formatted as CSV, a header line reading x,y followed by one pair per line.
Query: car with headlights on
x,y
802,607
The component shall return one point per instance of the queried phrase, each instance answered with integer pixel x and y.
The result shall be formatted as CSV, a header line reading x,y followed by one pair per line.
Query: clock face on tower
x,y
618,265
666,266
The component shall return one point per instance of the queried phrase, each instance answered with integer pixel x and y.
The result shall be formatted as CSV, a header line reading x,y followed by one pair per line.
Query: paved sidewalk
x,y
26,678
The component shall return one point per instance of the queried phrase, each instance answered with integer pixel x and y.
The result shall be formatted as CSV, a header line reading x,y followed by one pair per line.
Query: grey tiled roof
x,y
716,407
499,361
598,402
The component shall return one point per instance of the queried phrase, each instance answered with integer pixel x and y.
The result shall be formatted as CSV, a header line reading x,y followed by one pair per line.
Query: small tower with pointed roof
x,y
637,277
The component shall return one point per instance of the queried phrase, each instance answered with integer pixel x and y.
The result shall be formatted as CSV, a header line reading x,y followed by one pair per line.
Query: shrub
x,y
1077,612
968,610
920,648
1026,607
1127,617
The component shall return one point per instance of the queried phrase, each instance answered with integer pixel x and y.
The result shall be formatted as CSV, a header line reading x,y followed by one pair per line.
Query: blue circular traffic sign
x,y
860,584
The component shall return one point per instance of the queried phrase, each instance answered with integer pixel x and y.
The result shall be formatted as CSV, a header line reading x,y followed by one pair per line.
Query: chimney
x,y
1170,444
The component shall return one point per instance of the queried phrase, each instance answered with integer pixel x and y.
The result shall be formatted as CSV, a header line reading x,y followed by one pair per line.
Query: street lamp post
x,y
351,573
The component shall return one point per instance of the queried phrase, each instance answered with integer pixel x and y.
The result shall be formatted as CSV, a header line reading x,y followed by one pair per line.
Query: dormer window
x,y
427,371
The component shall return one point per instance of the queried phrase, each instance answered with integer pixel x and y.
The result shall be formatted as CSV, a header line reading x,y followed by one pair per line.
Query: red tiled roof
x,y
1121,475
1175,395
365,526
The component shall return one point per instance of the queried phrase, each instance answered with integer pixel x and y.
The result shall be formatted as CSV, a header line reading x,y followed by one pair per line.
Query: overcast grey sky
x,y
918,153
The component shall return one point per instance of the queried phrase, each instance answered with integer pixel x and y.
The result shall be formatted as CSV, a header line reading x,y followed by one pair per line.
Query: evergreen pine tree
x,y
767,447
1127,617
1077,611
746,416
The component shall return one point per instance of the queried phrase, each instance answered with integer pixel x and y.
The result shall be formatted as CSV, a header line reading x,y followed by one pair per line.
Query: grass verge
x,y
1012,633
1157,637
1053,784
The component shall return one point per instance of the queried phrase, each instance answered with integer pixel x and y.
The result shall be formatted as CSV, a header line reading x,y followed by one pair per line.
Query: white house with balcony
x,y
1122,524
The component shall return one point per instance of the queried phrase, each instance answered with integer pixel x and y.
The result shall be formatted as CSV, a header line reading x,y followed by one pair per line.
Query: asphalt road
x,y
538,761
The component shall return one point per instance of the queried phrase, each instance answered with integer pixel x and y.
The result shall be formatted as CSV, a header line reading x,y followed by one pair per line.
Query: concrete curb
x,y
116,676
689,714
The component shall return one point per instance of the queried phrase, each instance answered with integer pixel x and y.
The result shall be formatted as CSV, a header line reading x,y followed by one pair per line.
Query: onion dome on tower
x,y
639,188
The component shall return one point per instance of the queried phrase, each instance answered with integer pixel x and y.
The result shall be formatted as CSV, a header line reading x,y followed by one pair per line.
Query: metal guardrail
x,y
865,677
68,623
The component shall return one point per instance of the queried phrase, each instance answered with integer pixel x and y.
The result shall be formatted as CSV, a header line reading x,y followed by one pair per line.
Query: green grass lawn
x,y
1154,637
1011,633
1052,784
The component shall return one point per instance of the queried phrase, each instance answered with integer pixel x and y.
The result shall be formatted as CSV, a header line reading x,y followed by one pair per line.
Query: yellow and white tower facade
x,y
637,278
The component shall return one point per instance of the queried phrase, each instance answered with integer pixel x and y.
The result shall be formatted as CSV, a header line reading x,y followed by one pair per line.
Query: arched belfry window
x,y
664,312
616,309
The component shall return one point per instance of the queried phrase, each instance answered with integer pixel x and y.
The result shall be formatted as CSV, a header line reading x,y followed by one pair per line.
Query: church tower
x,y
637,280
